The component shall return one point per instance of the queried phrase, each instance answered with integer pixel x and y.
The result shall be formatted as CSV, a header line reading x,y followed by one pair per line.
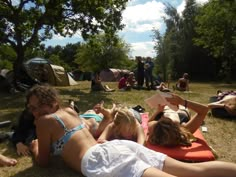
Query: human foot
x,y
5,161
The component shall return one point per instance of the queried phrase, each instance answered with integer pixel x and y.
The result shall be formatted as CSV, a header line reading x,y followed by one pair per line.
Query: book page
x,y
159,99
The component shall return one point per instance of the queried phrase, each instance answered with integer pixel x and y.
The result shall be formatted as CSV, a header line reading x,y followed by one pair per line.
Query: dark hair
x,y
158,116
168,133
186,76
45,94
126,75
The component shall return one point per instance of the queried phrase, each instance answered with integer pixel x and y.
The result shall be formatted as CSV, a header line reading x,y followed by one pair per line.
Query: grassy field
x,y
221,133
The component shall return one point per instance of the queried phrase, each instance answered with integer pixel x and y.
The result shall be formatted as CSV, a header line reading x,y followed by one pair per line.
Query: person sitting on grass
x,y
131,80
24,133
170,128
123,83
225,100
96,84
60,131
125,125
183,83
6,161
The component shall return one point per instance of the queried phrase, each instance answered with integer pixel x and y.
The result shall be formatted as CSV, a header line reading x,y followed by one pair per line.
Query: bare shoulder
x,y
231,98
43,120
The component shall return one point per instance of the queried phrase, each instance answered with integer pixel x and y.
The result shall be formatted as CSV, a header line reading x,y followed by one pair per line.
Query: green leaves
x,y
101,52
27,23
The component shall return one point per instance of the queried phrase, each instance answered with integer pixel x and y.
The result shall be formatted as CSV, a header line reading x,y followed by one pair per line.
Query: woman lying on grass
x,y
98,118
6,161
225,100
125,125
59,129
170,128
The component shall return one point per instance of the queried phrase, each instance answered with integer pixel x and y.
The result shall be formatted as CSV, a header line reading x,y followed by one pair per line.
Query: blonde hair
x,y
124,117
168,133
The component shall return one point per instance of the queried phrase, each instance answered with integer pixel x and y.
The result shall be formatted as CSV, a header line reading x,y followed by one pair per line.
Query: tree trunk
x,y
18,65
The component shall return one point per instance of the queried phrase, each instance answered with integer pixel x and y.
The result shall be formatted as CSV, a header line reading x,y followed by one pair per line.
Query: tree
x,y
180,53
26,23
102,51
162,57
172,40
216,29
7,57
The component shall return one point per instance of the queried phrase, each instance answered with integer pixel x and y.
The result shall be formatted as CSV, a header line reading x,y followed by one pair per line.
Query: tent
x,y
5,81
54,74
112,74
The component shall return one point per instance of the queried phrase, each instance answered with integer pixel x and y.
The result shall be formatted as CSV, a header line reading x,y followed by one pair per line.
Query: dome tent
x,y
56,75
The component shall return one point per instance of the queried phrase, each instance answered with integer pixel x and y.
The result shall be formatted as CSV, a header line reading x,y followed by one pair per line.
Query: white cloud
x,y
59,37
181,7
142,49
202,1
143,17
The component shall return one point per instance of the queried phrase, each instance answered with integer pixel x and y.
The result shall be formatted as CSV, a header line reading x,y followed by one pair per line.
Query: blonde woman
x,y
125,125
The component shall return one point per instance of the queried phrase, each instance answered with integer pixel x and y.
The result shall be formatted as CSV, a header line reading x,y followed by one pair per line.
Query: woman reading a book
x,y
171,128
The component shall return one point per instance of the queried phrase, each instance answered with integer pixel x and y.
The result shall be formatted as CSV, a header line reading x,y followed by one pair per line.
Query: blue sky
x,y
140,18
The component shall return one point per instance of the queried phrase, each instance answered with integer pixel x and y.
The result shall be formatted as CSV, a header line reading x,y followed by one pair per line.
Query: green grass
x,y
221,133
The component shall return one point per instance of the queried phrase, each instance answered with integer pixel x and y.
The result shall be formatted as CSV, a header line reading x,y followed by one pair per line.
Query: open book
x,y
160,99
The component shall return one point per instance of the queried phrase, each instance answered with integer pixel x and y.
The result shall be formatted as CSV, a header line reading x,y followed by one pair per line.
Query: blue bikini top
x,y
58,146
89,116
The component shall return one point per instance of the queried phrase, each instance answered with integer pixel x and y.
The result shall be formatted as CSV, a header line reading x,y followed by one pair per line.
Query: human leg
x,y
153,172
104,160
107,116
148,156
5,161
204,169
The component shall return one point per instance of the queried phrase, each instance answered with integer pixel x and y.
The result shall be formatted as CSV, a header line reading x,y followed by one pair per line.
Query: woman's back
x,y
79,141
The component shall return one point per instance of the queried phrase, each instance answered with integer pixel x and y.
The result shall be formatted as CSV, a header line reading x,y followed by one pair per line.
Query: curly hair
x,y
46,94
123,117
168,133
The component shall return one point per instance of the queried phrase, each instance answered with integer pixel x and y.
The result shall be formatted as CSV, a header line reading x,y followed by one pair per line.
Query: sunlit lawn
x,y
221,133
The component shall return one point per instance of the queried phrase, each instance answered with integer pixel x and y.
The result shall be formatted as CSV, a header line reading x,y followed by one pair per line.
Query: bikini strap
x,y
60,122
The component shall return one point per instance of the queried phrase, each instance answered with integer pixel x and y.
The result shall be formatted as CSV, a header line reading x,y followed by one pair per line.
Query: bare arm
x,y
159,110
108,117
107,133
140,135
187,85
41,147
200,111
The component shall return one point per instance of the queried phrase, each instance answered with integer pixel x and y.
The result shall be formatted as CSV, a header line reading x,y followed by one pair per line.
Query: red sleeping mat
x,y
198,152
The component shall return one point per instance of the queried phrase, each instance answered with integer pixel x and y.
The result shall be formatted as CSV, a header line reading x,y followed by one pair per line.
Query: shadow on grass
x,y
57,168
224,87
12,101
85,99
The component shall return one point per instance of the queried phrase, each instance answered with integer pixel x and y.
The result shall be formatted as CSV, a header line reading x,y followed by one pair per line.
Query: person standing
x,y
148,68
140,72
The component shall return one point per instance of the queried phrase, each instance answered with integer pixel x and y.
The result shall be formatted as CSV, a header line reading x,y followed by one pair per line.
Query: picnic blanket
x,y
198,152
